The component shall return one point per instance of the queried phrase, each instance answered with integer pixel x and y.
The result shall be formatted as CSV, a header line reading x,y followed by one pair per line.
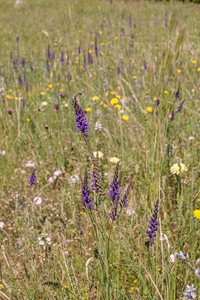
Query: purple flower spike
x,y
86,200
23,63
172,116
130,20
118,70
32,178
20,80
177,94
32,68
180,106
96,48
48,66
158,102
123,202
153,225
114,193
9,111
48,52
81,123
56,106
90,60
52,57
62,57
79,49
17,39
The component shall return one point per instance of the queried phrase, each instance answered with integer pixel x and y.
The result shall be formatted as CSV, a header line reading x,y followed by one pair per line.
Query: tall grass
x,y
146,52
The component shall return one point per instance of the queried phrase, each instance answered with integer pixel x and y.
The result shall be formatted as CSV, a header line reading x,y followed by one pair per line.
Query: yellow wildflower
x,y
118,106
154,98
27,120
114,101
112,93
8,97
10,91
134,77
118,87
66,105
106,95
196,213
16,98
165,92
61,90
194,61
149,109
95,98
198,69
116,38
100,154
50,86
126,118
118,96
105,105
88,109
44,103
42,93
179,71
114,160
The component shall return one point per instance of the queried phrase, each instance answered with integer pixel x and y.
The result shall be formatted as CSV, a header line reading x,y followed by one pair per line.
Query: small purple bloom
x,y
158,102
81,123
48,52
181,255
9,111
62,57
56,106
118,70
114,193
153,225
23,63
90,60
180,106
32,178
24,104
132,37
32,68
122,30
46,127
67,59
20,80
172,116
90,44
39,109
84,64
79,49
17,39
121,34
86,199
61,95
110,1
96,48
177,94
123,202
48,66
52,57
196,271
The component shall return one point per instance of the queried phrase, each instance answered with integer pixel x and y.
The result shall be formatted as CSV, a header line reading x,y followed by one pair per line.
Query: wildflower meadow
x,y
99,150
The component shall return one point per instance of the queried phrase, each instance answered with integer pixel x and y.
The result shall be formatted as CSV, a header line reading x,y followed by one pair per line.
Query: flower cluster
x,y
32,178
86,199
176,169
44,240
153,225
81,123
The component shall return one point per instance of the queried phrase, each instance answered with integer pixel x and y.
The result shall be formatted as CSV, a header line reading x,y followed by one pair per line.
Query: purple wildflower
x,y
172,116
32,178
86,200
48,52
90,60
84,63
46,127
81,123
114,193
52,57
145,66
94,181
90,44
132,37
110,1
20,80
9,111
39,109
122,30
180,106
153,225
96,48
123,202
32,68
24,104
24,77
17,39
48,66
67,59
23,63
177,94
56,106
79,49
61,95
62,57
118,70
121,34
158,102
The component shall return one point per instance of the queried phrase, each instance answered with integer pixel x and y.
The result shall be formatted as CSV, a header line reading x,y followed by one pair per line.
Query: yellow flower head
x,y
154,98
44,103
175,169
88,109
10,91
149,109
105,105
114,160
100,154
50,86
106,95
179,71
27,120
194,61
118,106
114,101
198,69
101,103
42,93
8,97
134,77
16,98
112,93
126,118
66,105
165,92
95,98
196,213
183,168
118,87
118,96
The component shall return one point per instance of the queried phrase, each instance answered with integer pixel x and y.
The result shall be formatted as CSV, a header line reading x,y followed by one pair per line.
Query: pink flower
x,y
37,200
129,212
1,225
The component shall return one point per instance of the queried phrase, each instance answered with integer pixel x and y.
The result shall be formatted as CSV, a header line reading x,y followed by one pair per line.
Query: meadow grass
x,y
52,247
